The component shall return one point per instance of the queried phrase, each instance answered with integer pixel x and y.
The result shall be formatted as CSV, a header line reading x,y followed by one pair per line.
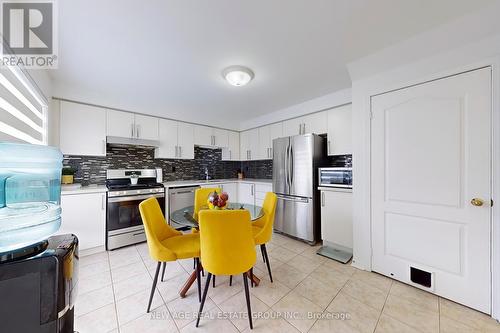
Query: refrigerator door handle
x,y
286,167
294,199
291,165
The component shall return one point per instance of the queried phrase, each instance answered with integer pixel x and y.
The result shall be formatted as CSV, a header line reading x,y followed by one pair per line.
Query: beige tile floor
x,y
309,294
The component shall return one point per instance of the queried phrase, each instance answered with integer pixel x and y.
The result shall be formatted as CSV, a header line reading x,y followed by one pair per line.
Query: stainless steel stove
x,y
123,220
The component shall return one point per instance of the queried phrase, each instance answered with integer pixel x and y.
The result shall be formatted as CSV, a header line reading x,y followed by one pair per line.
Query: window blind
x,y
23,108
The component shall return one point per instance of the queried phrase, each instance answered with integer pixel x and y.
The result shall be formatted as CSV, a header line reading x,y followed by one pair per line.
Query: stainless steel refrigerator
x,y
295,161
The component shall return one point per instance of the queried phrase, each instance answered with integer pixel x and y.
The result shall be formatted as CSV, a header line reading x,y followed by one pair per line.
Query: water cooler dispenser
x,y
38,272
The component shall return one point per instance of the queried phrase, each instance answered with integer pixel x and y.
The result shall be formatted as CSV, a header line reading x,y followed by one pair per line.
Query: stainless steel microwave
x,y
335,177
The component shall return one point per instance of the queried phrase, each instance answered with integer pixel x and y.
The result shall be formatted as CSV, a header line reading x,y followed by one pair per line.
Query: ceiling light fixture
x,y
238,75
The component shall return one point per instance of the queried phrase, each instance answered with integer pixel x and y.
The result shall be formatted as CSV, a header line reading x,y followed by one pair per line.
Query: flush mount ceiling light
x,y
238,75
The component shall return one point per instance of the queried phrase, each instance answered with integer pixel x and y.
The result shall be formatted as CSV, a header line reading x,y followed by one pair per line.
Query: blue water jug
x,y
30,194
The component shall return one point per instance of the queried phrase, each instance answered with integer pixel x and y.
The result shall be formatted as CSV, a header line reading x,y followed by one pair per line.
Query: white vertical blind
x,y
23,108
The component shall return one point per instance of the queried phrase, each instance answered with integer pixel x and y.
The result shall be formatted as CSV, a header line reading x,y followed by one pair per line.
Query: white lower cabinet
x,y
336,218
231,189
246,193
85,216
260,193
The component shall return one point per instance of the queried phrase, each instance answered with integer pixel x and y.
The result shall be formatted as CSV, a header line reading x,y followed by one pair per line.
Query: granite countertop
x,y
179,183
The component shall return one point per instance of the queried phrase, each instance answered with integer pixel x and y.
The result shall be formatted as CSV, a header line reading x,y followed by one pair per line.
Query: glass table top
x,y
184,217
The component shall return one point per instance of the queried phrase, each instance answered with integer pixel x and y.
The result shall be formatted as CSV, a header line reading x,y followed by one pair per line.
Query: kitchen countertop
x,y
179,183
175,183
84,190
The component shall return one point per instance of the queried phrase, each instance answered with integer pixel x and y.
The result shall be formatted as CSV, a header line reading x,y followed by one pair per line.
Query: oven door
x,y
123,212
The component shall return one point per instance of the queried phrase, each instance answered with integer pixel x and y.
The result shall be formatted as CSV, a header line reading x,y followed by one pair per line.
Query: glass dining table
x,y
184,219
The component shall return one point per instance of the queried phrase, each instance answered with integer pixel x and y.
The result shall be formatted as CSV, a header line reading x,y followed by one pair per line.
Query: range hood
x,y
119,141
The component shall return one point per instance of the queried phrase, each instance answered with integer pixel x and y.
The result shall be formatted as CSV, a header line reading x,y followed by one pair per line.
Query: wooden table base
x,y
192,279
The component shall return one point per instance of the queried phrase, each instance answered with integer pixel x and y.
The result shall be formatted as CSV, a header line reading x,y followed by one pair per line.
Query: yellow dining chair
x,y
165,243
227,248
262,228
200,198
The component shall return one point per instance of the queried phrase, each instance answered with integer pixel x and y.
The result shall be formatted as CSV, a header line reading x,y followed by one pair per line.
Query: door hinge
x,y
371,114
491,202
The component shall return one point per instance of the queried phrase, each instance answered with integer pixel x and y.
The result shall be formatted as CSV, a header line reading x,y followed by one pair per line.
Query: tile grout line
x,y
158,290
382,310
114,296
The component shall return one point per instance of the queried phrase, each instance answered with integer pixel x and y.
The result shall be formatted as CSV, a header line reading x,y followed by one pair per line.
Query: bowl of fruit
x,y
217,201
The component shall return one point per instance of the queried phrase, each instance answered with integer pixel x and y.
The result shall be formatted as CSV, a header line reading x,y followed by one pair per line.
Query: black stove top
x,y
124,184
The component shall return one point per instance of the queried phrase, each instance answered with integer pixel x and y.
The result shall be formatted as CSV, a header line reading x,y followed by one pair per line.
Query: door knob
x,y
477,202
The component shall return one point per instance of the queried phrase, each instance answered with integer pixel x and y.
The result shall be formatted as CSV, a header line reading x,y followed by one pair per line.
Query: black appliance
x,y
38,286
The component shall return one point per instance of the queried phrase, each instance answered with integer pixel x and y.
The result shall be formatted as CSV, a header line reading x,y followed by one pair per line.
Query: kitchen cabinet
x,y
82,129
246,193
339,133
249,145
146,127
266,136
210,137
221,138
260,193
312,123
336,218
185,140
232,152
133,126
85,216
176,140
232,190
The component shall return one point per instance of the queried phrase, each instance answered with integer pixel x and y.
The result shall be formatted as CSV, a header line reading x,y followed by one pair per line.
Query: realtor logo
x,y
28,30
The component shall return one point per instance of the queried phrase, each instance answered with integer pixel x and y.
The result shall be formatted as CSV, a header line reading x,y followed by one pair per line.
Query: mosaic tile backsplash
x,y
92,170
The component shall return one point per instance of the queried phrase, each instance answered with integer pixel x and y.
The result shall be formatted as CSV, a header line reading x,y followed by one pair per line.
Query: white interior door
x,y
431,150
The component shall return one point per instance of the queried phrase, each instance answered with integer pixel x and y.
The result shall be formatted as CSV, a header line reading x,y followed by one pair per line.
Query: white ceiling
x,y
165,57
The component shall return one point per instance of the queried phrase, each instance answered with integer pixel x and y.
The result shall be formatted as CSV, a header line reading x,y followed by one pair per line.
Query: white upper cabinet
x,y
292,127
312,123
82,129
266,136
168,139
339,133
185,140
146,127
221,138
315,123
210,137
203,135
120,124
249,145
232,152
176,140
263,151
133,126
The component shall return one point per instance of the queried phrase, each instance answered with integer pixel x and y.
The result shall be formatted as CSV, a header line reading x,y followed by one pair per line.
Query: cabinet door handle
x,y
230,155
137,131
300,128
132,130
322,199
180,151
329,147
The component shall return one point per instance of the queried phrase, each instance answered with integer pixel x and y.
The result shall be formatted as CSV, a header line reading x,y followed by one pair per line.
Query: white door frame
x,y
365,174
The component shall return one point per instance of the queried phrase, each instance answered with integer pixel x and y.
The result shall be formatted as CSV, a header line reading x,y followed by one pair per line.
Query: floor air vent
x,y
421,277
